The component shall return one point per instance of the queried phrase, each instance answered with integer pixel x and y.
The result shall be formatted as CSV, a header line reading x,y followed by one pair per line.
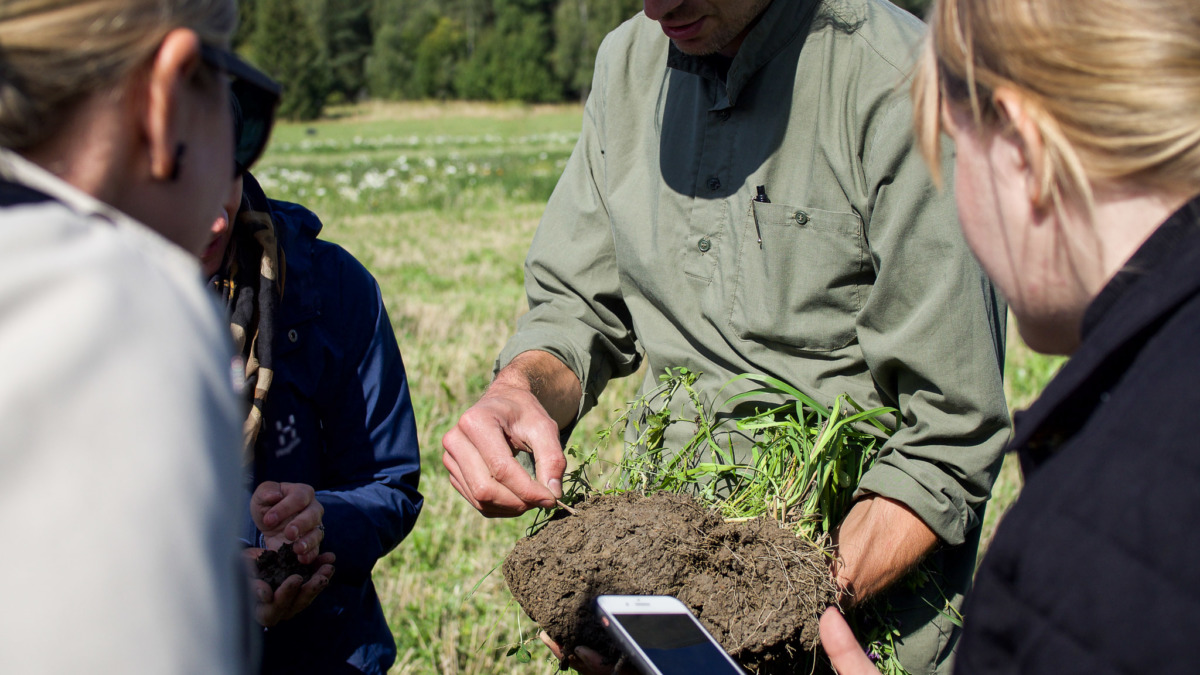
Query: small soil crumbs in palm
x,y
274,567
758,589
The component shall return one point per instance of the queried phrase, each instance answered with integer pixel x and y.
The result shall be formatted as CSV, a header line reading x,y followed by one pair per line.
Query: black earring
x,y
179,150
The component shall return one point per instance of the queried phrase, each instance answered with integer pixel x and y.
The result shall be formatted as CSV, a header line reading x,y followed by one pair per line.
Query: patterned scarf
x,y
250,283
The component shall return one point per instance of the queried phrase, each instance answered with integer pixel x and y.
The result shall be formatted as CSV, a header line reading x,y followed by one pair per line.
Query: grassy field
x,y
440,202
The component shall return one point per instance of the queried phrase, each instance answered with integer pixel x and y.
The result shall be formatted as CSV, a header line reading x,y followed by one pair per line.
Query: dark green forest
x,y
337,51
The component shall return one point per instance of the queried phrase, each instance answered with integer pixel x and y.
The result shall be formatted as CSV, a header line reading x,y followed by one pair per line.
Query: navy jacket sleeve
x,y
369,487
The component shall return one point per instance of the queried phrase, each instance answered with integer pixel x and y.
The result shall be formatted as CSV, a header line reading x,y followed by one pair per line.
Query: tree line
x,y
330,51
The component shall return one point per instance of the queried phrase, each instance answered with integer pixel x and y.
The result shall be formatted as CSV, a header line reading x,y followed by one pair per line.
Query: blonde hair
x,y
1112,86
55,53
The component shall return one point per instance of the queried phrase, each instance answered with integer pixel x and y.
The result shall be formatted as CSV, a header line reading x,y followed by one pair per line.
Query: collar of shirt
x,y
1160,276
20,170
17,169
782,22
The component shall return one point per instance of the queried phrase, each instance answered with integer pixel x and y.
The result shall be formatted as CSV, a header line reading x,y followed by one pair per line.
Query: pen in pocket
x,y
761,197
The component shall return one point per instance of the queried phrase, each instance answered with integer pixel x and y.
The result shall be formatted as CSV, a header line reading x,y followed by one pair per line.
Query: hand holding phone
x,y
662,636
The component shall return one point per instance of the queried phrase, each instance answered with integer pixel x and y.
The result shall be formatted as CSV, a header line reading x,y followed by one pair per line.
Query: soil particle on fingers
x,y
758,589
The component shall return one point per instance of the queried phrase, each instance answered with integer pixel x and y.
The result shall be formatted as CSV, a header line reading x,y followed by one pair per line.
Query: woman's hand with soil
x,y
522,410
289,513
293,595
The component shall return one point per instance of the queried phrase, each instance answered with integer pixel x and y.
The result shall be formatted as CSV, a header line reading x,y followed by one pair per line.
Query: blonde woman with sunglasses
x,y
119,428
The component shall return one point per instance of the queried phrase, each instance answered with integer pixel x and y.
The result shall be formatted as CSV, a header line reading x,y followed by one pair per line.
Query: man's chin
x,y
695,47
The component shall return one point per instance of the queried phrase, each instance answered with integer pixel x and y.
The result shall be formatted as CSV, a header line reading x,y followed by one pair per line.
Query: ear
x,y
173,67
1024,131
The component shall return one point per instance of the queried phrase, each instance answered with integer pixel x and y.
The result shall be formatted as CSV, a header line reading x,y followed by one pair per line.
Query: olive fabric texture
x,y
649,253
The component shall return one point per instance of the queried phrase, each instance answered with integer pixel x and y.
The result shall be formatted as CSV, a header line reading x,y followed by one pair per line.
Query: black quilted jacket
x,y
1096,569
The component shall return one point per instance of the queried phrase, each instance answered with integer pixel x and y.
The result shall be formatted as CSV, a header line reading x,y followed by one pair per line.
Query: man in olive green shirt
x,y
853,278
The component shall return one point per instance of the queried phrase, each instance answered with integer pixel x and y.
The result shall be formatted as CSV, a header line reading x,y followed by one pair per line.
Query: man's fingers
x,y
589,662
554,648
495,447
584,660
488,474
841,646
456,479
542,441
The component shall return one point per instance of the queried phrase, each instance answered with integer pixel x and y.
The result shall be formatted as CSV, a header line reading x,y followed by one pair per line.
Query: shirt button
x,y
704,245
293,335
801,218
714,183
724,115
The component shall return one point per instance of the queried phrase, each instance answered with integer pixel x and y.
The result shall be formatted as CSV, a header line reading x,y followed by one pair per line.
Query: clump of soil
x,y
274,567
758,589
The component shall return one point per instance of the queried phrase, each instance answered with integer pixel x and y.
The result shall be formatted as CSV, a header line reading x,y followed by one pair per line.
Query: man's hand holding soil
x,y
878,542
523,409
587,661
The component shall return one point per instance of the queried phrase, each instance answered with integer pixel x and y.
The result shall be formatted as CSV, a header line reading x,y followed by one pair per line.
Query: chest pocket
x,y
805,285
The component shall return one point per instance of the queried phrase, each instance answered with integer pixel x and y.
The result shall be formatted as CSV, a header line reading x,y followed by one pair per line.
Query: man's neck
x,y
730,50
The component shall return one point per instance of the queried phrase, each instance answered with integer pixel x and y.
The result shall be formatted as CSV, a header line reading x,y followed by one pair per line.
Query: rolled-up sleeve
x,y
932,334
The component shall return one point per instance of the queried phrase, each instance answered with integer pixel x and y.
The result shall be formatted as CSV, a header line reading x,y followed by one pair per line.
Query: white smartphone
x,y
662,636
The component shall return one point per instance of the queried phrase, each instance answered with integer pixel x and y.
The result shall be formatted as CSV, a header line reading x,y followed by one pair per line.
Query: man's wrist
x,y
879,541
549,380
843,581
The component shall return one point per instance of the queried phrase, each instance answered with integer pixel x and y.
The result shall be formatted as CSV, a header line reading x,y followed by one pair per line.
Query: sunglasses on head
x,y
257,96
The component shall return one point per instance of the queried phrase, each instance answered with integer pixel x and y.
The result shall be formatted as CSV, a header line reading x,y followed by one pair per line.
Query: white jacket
x,y
120,493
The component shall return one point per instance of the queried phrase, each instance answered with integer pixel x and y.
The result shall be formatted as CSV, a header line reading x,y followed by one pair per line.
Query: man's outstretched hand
x,y
522,411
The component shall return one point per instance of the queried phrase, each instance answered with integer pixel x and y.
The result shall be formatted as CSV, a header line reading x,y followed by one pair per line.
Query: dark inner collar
x,y
1153,253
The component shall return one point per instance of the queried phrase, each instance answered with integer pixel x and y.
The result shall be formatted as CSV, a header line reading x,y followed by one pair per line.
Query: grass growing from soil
x,y
803,468
440,203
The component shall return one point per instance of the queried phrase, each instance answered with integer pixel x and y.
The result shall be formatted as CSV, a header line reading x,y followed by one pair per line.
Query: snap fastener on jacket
x,y
801,218
704,245
293,335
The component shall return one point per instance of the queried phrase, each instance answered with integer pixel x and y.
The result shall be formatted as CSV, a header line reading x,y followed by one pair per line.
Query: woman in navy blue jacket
x,y
330,427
